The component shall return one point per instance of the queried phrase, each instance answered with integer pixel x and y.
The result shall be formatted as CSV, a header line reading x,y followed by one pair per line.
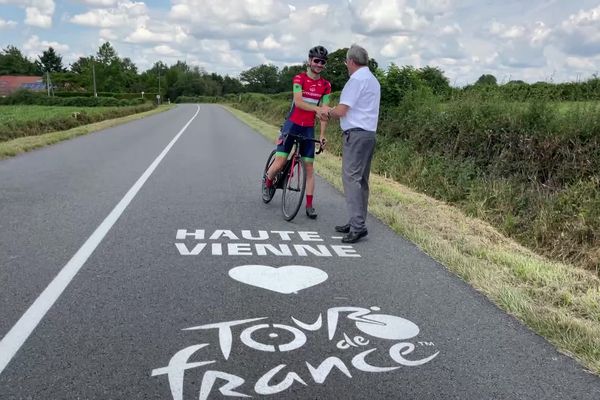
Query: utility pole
x,y
48,82
158,85
94,75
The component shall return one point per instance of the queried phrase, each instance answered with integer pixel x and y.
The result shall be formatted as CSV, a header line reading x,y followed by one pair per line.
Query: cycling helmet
x,y
318,52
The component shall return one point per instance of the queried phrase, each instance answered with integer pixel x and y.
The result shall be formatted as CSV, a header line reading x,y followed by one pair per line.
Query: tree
x,y
487,79
261,79
398,82
232,85
286,75
106,54
13,62
435,79
81,65
336,71
82,73
49,61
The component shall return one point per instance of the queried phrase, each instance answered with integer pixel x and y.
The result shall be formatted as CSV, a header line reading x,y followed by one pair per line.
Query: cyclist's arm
x,y
299,102
323,123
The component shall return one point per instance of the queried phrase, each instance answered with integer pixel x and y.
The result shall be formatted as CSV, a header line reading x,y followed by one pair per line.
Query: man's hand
x,y
322,113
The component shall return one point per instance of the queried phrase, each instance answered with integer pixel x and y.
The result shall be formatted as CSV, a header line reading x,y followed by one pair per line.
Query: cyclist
x,y
310,93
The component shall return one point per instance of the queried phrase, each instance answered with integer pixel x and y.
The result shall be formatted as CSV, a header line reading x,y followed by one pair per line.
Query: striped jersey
x,y
314,92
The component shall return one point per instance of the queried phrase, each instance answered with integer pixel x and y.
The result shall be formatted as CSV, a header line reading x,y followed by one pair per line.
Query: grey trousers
x,y
356,165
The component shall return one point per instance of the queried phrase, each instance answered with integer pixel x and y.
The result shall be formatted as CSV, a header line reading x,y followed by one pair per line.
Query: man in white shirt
x,y
358,111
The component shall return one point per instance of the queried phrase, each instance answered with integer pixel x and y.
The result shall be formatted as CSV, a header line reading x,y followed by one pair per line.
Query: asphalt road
x,y
140,263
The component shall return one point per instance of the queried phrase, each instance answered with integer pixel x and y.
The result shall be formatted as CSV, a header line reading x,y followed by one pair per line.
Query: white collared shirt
x,y
361,94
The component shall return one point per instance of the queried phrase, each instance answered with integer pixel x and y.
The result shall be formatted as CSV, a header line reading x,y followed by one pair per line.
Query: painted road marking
x,y
287,279
227,242
14,339
354,333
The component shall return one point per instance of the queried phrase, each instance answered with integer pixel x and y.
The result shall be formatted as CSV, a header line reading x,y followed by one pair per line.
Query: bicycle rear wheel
x,y
293,189
267,197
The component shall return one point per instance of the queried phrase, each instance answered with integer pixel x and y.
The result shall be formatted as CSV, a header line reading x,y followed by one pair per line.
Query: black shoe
x,y
311,213
353,237
342,228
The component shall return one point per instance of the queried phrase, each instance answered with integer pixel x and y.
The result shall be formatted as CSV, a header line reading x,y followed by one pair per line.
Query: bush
x,y
121,96
26,97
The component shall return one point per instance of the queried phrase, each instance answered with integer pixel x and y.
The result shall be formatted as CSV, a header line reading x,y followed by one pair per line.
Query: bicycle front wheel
x,y
293,189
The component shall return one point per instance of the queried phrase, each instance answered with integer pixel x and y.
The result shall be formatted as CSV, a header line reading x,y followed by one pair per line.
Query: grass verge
x,y
21,145
558,301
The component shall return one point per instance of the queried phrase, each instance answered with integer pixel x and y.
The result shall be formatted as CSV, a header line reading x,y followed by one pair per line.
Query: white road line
x,y
14,339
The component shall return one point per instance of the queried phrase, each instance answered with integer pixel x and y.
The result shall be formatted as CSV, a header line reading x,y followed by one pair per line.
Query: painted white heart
x,y
287,279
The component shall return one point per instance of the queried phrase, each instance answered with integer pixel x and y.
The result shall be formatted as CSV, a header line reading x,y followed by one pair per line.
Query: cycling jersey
x,y
314,91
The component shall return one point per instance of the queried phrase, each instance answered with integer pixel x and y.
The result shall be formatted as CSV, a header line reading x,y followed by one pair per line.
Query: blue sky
x,y
529,40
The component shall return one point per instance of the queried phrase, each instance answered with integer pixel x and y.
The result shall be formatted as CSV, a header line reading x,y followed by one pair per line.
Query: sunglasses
x,y
319,61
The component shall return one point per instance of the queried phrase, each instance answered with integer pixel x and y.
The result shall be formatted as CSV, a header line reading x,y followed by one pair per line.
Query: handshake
x,y
323,112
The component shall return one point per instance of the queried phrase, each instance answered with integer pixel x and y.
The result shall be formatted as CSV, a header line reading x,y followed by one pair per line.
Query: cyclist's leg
x,y
310,179
276,166
284,147
307,151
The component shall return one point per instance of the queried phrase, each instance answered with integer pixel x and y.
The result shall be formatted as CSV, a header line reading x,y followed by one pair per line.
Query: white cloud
x,y
163,34
377,17
450,30
434,7
246,12
108,34
270,43
583,18
507,32
37,12
464,37
580,33
165,50
540,33
34,47
126,14
395,46
520,46
100,3
7,24
581,63
35,17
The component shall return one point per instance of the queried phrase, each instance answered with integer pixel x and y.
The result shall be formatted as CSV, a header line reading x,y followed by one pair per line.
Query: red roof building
x,y
10,83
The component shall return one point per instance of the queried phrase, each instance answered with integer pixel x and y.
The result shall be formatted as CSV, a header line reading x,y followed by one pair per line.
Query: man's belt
x,y
347,131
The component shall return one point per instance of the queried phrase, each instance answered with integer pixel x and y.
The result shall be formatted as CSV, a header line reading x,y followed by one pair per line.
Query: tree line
x,y
114,74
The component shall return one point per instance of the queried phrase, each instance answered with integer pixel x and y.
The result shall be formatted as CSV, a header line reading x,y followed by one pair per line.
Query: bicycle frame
x,y
294,156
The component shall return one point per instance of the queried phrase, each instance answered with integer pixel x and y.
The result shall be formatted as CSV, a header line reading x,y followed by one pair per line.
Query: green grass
x,y
18,114
569,106
558,301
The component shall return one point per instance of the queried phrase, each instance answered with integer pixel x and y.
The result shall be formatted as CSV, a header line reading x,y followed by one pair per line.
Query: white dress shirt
x,y
361,94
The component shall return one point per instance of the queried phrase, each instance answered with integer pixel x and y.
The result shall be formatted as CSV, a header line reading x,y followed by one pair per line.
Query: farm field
x,y
27,113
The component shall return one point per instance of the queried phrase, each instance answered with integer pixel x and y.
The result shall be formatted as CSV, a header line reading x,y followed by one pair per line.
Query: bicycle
x,y
291,179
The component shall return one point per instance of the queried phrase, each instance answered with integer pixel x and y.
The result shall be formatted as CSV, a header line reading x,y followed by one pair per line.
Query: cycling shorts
x,y
285,143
